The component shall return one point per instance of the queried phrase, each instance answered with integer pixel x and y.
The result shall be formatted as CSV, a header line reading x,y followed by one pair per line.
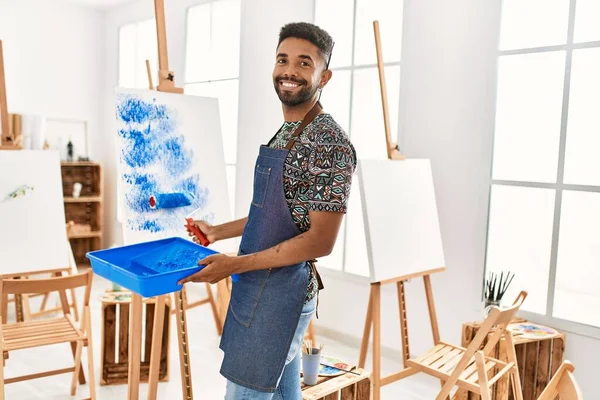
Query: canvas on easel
x,y
400,218
402,234
32,232
169,144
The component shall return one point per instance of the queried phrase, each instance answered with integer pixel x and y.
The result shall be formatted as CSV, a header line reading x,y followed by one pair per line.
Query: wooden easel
x,y
7,140
166,84
373,318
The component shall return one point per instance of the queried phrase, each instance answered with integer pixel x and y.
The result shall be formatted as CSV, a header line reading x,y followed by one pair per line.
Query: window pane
x,y
587,14
389,15
225,39
340,28
230,170
368,133
213,41
524,25
127,36
336,259
147,49
357,261
227,93
528,116
577,271
520,240
137,43
198,44
582,164
336,98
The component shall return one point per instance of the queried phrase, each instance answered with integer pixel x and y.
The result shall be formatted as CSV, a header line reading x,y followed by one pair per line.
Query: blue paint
x,y
170,200
157,161
174,256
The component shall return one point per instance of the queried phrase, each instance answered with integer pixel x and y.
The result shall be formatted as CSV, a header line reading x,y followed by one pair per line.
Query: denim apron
x,y
265,305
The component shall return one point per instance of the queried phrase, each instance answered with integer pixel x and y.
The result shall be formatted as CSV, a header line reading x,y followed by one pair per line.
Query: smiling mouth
x,y
289,85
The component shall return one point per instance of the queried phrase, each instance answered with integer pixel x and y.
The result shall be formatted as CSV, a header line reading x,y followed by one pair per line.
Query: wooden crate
x,y
115,329
344,387
538,360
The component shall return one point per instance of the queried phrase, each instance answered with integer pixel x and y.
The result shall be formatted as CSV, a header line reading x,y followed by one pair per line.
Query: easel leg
x,y
155,353
403,323
184,359
213,306
376,340
366,332
223,296
431,306
135,347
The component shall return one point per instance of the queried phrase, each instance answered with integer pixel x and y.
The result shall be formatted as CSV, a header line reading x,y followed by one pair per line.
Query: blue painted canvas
x,y
170,163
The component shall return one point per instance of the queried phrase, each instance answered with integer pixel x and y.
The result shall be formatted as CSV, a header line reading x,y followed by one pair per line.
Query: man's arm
x,y
230,229
220,232
317,242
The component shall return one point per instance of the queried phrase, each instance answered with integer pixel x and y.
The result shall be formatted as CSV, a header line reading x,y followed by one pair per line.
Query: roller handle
x,y
197,232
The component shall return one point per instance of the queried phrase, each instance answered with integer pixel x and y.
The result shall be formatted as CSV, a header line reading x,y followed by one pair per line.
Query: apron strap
x,y
310,116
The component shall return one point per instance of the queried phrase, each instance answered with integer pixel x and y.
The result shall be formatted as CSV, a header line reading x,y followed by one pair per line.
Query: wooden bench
x,y
344,387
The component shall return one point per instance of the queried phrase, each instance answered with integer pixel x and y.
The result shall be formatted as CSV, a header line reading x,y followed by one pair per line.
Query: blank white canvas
x,y
177,139
400,217
33,233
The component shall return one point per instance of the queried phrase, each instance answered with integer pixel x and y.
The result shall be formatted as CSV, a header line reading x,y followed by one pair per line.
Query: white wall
x,y
53,54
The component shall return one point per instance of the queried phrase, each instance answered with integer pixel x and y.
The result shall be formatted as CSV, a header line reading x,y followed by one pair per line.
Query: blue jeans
x,y
288,387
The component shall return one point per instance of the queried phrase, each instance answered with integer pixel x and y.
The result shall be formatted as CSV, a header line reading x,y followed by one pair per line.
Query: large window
x,y
353,98
544,222
137,43
212,68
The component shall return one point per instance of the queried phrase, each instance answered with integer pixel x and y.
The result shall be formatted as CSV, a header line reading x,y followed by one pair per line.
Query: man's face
x,y
298,70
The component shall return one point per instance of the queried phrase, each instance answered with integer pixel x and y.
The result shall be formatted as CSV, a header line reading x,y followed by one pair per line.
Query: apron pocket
x,y
261,183
246,294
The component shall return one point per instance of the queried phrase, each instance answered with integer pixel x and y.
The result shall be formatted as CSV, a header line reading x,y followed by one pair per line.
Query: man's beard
x,y
293,99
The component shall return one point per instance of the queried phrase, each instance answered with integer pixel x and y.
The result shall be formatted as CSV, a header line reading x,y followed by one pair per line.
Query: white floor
x,y
205,361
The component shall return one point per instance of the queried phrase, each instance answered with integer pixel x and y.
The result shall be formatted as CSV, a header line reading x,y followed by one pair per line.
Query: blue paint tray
x,y
150,268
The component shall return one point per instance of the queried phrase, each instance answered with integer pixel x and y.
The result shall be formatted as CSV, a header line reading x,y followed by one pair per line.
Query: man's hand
x,y
206,228
217,267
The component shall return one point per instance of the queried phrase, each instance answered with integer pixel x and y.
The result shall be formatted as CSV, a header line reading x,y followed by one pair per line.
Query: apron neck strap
x,y
310,116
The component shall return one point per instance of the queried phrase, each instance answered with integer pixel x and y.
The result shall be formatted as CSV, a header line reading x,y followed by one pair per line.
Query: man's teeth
x,y
289,84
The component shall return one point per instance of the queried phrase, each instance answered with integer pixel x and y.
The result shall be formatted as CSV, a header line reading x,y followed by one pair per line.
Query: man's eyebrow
x,y
282,55
306,57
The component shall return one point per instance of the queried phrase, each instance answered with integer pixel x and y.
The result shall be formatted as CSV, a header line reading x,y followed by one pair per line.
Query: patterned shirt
x,y
317,173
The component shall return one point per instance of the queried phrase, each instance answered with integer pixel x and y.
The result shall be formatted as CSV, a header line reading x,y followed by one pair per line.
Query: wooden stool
x,y
538,360
114,361
346,386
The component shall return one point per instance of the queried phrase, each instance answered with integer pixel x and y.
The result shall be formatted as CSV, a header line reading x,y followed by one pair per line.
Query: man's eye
x,y
305,64
281,61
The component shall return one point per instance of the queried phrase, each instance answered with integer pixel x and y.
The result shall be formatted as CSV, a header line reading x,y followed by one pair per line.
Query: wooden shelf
x,y
85,235
78,164
83,199
84,210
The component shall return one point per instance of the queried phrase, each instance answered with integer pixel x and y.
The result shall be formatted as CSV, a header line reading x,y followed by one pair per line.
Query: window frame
x,y
343,235
186,82
559,186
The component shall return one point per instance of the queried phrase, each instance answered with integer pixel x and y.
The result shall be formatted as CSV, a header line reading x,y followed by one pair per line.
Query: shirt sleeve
x,y
330,165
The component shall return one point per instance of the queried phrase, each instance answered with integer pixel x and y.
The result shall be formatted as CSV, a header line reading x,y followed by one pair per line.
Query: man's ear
x,y
325,77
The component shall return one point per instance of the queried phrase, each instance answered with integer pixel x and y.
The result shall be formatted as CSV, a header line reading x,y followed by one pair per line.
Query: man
x,y
302,181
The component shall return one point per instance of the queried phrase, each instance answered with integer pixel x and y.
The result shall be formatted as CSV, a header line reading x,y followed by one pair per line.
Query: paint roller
x,y
169,200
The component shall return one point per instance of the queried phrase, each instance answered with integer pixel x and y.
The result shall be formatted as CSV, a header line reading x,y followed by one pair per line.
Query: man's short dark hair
x,y
304,30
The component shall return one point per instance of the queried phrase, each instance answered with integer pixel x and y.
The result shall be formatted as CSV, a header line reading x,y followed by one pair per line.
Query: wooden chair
x,y
44,332
562,383
469,368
